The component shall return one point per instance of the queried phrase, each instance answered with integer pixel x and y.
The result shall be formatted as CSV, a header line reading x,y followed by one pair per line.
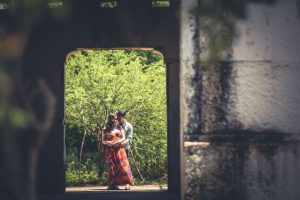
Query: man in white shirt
x,y
121,117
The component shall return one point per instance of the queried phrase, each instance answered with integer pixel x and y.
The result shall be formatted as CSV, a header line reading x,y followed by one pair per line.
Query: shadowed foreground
x,y
143,192
112,195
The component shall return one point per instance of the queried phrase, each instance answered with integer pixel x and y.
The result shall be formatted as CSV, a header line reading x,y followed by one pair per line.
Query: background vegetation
x,y
104,81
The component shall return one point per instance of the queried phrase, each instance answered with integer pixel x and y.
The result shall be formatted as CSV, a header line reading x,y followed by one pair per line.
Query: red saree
x,y
119,171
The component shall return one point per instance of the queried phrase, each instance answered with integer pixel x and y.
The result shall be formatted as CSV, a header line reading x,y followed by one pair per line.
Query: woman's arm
x,y
103,138
123,136
122,139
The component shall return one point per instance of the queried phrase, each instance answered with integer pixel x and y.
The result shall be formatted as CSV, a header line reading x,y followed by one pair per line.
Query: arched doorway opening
x,y
103,81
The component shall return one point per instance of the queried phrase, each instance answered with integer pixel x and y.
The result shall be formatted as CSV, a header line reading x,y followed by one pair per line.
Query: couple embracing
x,y
117,136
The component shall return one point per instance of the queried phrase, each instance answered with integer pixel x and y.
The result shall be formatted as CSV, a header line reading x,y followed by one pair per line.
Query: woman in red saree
x,y
119,172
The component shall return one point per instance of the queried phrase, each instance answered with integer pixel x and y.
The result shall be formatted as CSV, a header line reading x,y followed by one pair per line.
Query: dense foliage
x,y
104,81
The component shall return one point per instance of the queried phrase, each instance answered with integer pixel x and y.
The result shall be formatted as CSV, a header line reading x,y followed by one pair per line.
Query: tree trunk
x,y
101,159
81,151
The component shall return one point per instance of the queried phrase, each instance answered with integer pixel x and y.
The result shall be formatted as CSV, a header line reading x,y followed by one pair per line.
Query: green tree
x,y
104,81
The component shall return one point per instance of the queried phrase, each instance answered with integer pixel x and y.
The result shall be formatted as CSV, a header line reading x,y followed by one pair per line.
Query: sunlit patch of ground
x,y
102,188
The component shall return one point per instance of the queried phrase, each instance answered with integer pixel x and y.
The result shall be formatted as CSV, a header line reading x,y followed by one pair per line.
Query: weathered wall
x,y
271,32
264,96
242,170
240,118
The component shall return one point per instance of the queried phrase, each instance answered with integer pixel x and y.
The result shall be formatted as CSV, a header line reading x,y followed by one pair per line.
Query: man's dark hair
x,y
121,113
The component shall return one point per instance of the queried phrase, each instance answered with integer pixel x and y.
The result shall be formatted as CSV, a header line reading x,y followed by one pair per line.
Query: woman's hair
x,y
110,122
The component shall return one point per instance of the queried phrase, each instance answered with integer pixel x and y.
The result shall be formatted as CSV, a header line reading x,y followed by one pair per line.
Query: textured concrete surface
x,y
247,171
249,95
190,76
240,118
271,32
264,96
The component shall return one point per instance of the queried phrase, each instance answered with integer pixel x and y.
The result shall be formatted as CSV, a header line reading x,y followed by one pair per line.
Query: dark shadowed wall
x,y
132,23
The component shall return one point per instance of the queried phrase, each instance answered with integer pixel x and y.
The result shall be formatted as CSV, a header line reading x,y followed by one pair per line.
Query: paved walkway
x,y
136,188
138,192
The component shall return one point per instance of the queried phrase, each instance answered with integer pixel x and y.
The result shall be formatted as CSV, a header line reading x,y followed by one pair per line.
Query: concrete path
x,y
136,188
138,192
